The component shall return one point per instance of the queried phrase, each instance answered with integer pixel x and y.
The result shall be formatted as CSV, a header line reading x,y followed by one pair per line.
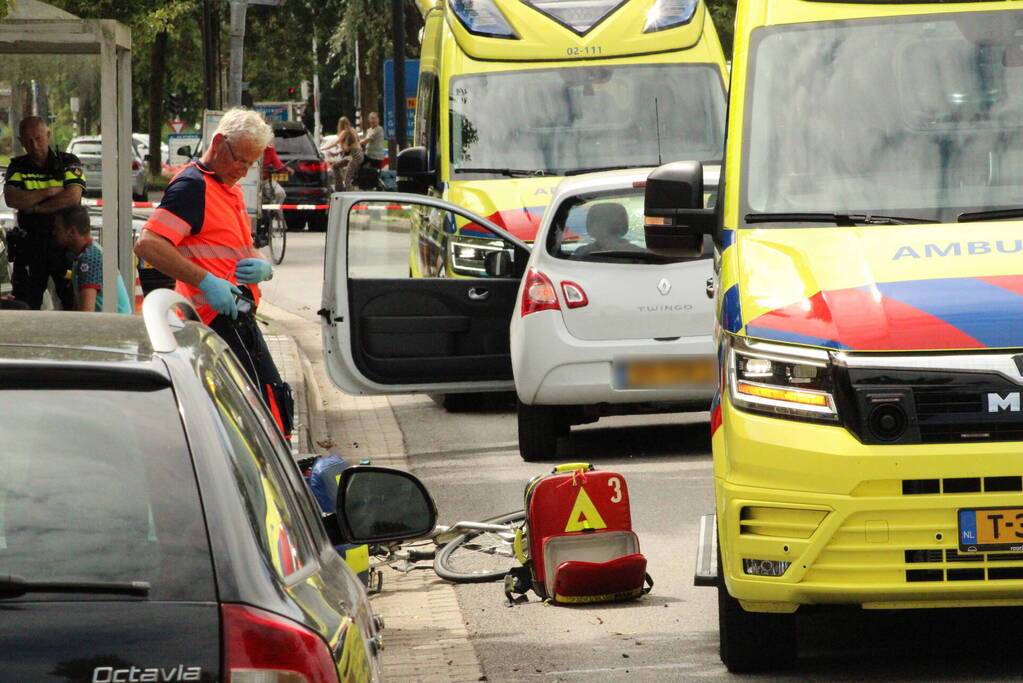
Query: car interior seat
x,y
606,225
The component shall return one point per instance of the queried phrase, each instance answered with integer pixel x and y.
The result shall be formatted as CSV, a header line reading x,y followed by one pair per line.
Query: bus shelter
x,y
35,28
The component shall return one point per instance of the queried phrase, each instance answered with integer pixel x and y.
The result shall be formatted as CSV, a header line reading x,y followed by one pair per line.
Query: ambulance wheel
x,y
753,642
480,556
539,428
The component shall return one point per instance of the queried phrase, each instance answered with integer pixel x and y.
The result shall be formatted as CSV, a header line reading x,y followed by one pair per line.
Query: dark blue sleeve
x,y
186,198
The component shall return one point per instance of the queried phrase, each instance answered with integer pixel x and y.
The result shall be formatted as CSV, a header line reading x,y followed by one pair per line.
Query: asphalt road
x,y
470,463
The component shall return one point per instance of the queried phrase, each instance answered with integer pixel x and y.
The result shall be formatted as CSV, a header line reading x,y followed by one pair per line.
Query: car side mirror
x,y
413,171
380,505
185,151
498,264
675,220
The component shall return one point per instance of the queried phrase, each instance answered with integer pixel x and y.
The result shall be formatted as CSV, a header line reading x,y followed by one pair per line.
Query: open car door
x,y
417,296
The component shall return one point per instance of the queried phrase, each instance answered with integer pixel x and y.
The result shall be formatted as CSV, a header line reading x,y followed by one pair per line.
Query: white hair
x,y
240,123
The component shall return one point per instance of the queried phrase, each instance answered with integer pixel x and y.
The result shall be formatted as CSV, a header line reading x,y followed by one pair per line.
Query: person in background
x,y
72,231
38,184
376,150
351,155
201,236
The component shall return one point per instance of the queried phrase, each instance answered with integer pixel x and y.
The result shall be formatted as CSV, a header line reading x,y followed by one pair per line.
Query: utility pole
x,y
234,93
209,59
398,36
317,128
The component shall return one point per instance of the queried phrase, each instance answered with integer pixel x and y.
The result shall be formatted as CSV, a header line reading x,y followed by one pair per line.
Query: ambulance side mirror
x,y
414,172
675,218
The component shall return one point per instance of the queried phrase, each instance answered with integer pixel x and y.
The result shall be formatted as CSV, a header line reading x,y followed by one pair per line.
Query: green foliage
x,y
723,13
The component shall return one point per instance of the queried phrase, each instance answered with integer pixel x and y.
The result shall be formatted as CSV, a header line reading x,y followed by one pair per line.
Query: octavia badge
x,y
664,286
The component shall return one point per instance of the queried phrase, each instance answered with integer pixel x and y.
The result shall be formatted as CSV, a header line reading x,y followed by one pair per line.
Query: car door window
x,y
271,510
391,240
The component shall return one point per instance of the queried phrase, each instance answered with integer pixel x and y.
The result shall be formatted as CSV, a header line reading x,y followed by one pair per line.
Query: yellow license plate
x,y
666,374
279,177
988,529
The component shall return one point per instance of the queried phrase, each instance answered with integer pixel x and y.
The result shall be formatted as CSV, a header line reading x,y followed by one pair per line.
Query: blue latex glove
x,y
253,270
220,295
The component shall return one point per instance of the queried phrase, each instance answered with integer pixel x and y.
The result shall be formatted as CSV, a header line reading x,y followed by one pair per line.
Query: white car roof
x,y
617,180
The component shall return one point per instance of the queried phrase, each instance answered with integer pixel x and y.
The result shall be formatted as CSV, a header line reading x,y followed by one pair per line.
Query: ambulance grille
x,y
917,487
981,571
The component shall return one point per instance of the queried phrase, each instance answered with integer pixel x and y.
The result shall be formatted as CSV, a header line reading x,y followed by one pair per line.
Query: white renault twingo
x,y
603,326
421,295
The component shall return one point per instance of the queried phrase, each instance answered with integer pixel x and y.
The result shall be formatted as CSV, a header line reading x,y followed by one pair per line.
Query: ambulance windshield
x,y
918,116
552,121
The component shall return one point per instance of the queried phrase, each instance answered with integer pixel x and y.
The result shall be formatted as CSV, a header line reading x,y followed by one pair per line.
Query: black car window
x,y
295,142
97,484
270,508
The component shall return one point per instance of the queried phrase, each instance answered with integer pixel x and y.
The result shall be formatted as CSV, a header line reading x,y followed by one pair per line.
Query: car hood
x,y
515,204
928,287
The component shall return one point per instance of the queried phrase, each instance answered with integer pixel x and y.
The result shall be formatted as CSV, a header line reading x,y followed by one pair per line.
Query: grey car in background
x,y
89,150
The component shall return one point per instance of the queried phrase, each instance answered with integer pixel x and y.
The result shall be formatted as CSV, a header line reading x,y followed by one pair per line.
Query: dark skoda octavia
x,y
153,524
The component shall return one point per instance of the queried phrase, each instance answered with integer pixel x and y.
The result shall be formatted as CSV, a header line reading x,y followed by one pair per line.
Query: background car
x,y
89,150
604,326
142,145
308,181
152,518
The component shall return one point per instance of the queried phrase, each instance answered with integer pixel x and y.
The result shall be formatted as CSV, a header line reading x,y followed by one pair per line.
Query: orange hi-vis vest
x,y
207,221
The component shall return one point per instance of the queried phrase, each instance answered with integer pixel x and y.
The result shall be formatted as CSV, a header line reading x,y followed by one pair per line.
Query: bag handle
x,y
572,467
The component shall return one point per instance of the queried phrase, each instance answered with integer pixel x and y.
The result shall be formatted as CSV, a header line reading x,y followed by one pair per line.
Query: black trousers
x,y
38,260
246,341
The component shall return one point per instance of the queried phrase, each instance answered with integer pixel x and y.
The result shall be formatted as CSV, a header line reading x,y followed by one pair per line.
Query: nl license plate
x,y
279,177
987,529
666,374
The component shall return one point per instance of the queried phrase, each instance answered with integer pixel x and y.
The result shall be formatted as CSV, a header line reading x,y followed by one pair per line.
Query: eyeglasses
x,y
234,156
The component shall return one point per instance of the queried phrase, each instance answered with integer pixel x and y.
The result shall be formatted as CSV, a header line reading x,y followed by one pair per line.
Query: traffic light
x,y
174,103
291,93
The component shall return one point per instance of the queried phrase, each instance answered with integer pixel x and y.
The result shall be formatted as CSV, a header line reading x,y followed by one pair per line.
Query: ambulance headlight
x,y
781,380
667,14
483,18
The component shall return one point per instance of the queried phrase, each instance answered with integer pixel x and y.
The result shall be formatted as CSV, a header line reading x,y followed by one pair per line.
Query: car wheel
x,y
753,642
318,221
538,432
294,219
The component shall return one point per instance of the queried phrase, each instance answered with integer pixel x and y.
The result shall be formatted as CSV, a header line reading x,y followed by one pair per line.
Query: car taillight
x,y
538,294
262,647
575,297
313,166
135,165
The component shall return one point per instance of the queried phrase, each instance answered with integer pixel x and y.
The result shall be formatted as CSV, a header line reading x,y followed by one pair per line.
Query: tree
x,y
723,13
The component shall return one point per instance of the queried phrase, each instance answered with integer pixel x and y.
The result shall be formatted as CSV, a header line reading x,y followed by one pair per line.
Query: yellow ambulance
x,y
513,95
867,432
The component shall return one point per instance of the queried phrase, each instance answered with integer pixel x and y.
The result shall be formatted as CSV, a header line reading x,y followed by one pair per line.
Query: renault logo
x,y
664,286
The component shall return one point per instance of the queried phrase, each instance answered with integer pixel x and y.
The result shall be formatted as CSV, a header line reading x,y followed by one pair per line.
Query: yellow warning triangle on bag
x,y
584,514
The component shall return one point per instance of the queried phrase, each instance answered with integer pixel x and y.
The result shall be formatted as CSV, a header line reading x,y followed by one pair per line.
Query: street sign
x,y
411,83
274,111
176,126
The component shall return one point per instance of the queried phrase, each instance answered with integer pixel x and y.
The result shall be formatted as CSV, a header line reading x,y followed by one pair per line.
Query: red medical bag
x,y
581,546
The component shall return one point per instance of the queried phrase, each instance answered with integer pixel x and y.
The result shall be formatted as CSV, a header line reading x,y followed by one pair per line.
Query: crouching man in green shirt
x,y
72,232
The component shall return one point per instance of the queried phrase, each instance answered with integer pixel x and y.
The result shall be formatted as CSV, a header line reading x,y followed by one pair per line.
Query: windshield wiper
x,y
991,215
599,169
637,256
12,586
841,219
510,172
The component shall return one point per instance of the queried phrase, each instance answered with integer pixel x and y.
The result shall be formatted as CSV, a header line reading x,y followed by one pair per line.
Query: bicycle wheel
x,y
479,556
278,236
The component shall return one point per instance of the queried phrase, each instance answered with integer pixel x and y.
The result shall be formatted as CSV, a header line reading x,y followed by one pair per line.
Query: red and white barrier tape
x,y
298,207
134,205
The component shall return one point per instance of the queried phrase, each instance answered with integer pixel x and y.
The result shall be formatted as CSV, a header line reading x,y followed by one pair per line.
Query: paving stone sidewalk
x,y
425,638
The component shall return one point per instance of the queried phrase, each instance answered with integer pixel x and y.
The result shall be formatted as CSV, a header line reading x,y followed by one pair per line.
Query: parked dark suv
x,y
152,519
308,182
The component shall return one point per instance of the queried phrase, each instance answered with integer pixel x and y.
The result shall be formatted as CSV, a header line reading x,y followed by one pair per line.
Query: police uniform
x,y
37,257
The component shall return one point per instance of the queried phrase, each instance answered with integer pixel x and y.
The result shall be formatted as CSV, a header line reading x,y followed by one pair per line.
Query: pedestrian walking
x,y
72,231
201,236
38,184
347,143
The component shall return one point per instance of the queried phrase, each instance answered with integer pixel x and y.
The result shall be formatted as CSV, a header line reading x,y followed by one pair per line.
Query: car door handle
x,y
479,293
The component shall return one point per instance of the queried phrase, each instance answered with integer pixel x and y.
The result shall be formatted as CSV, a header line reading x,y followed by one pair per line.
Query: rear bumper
x,y
552,367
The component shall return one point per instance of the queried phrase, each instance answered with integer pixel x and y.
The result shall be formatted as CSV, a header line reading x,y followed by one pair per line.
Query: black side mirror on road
x,y
413,171
676,220
380,505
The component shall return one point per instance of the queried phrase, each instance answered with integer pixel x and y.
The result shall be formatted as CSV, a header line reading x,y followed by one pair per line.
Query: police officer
x,y
38,184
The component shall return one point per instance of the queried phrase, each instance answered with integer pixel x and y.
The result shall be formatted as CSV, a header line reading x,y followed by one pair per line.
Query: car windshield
x,y
603,227
294,141
98,485
551,121
87,148
910,116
